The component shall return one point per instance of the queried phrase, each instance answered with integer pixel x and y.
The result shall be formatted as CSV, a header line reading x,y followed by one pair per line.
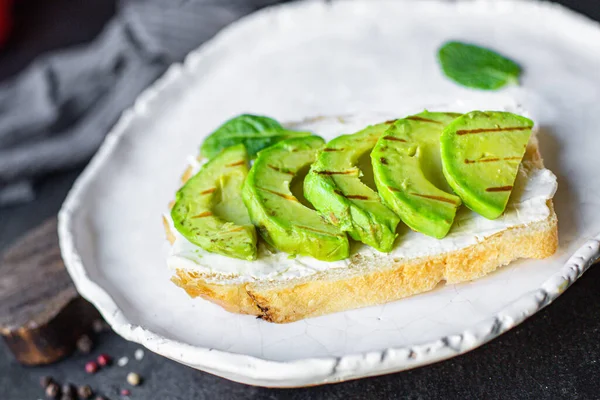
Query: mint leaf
x,y
477,67
254,131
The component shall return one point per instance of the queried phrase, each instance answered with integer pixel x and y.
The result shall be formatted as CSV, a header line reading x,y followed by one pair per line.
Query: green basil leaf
x,y
477,67
253,131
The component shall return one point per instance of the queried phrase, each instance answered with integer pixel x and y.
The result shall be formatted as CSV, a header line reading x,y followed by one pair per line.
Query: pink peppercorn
x,y
91,367
104,360
125,392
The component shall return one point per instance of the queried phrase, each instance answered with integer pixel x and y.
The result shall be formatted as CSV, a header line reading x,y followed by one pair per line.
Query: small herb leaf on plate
x,y
254,131
477,67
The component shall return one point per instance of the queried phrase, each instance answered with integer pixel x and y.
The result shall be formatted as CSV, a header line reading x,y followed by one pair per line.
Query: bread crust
x,y
329,291
321,296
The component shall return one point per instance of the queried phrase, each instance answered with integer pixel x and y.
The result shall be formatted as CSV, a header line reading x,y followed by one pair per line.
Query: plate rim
x,y
317,370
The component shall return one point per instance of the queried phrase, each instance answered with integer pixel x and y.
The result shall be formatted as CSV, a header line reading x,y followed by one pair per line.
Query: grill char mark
x,y
347,172
282,195
209,191
437,198
357,197
350,196
421,119
449,114
394,139
499,189
274,168
203,214
461,132
467,161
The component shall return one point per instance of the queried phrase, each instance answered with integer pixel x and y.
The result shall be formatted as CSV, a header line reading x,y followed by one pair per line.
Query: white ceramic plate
x,y
316,58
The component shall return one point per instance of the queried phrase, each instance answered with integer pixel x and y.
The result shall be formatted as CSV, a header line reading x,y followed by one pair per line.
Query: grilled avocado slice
x,y
209,211
481,153
335,189
408,173
282,220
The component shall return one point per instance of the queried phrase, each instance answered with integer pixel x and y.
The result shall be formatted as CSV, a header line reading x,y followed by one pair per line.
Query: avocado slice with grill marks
x,y
408,173
335,189
481,153
282,220
209,210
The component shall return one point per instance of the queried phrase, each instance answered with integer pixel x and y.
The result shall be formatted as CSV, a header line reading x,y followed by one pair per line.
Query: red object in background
x,y
6,21
91,367
103,360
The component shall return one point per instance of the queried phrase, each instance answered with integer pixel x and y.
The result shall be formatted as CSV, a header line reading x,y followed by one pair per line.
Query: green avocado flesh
x,y
209,210
335,189
408,173
481,153
282,220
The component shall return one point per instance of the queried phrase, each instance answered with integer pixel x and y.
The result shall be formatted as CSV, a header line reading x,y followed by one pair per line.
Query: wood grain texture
x,y
41,313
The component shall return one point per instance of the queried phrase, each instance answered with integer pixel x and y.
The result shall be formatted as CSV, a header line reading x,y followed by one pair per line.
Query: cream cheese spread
x,y
528,204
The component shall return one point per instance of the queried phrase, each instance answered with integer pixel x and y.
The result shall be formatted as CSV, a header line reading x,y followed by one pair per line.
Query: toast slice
x,y
369,280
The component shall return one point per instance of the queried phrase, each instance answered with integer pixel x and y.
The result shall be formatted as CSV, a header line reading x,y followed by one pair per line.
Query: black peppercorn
x,y
85,392
85,344
52,390
68,390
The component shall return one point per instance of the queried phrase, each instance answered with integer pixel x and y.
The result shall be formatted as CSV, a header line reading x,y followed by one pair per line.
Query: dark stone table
x,y
555,354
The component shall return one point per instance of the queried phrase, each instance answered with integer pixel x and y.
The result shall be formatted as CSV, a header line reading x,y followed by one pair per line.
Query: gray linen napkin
x,y
55,114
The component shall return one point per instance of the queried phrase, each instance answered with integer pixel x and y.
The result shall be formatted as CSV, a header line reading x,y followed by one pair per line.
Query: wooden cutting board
x,y
41,313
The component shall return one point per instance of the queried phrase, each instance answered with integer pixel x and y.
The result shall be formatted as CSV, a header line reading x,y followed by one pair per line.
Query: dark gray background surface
x,y
555,354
